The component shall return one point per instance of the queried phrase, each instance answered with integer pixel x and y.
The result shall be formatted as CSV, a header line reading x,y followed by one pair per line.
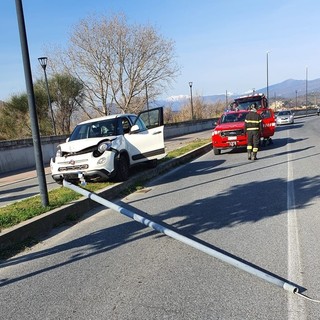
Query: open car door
x,y
146,137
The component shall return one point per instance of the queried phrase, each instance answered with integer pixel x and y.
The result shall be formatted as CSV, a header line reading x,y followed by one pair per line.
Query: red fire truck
x,y
229,132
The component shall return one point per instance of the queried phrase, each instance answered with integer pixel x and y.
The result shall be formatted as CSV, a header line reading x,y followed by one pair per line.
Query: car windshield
x,y
284,113
246,104
233,117
102,128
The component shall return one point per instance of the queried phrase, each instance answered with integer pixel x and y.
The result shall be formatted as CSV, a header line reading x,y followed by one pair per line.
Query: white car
x,y
106,147
285,117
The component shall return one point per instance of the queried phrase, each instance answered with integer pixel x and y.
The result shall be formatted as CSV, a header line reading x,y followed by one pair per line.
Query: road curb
x,y
41,225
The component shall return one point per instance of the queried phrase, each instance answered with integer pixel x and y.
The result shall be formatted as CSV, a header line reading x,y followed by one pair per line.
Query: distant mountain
x,y
288,88
284,90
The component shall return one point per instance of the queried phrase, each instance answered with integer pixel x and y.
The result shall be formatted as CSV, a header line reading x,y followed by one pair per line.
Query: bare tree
x,y
201,110
119,63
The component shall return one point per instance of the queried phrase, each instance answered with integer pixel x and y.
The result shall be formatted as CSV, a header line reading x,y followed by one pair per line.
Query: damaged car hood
x,y
80,145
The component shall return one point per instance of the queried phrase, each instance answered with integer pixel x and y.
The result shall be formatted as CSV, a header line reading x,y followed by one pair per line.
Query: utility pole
x,y
147,98
306,89
191,101
226,99
268,75
32,106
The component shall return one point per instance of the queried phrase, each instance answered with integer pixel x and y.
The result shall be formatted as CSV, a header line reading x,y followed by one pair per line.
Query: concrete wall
x,y
181,128
19,154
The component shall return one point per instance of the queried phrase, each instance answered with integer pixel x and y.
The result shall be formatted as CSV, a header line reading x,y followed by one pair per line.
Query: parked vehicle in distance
x,y
103,148
229,132
285,117
318,111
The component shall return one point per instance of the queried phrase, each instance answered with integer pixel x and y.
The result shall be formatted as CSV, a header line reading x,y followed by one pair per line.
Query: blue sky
x,y
221,45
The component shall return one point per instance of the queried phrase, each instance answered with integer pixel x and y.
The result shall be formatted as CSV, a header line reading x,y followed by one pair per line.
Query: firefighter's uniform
x,y
253,128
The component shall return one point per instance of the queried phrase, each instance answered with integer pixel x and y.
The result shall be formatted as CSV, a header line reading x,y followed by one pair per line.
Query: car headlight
x,y
102,160
58,153
104,146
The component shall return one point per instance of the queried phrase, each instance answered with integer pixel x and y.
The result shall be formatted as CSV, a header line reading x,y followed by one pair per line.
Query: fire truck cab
x,y
268,118
229,132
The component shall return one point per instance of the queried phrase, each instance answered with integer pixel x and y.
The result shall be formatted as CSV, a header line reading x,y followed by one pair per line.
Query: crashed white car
x,y
106,147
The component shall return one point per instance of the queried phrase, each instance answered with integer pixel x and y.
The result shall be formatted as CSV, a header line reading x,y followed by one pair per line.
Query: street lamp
x,y
190,85
306,89
227,99
296,99
43,63
268,75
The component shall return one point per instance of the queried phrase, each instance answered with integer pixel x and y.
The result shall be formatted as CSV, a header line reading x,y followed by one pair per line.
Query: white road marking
x,y
296,305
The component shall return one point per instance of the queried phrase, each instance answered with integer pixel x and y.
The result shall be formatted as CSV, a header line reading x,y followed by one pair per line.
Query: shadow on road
x,y
237,205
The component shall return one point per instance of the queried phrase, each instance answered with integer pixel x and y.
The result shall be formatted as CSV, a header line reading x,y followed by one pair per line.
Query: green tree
x,y
67,97
15,118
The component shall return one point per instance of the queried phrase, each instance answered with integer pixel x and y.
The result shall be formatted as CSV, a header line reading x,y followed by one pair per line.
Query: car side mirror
x,y
134,129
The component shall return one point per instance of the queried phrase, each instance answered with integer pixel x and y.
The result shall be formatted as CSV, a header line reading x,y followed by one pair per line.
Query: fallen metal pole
x,y
234,262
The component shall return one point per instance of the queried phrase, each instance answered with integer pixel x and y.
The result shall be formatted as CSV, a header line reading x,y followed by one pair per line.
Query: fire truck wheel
x,y
216,151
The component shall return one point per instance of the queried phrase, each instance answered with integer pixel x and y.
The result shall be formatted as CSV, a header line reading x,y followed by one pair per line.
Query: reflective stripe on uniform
x,y
252,121
255,149
250,129
249,147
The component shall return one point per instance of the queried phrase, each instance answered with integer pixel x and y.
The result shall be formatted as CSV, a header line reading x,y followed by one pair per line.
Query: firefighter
x,y
253,129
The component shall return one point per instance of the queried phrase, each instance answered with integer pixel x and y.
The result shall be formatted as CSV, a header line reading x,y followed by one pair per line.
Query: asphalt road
x,y
264,213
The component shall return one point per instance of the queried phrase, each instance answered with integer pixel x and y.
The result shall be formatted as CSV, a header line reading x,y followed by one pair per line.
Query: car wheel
x,y
59,181
153,163
216,151
122,168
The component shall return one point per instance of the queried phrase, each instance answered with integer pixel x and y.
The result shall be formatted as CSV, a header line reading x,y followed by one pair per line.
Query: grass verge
x,y
23,210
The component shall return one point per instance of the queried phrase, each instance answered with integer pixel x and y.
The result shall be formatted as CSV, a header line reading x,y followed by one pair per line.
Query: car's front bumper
x,y
229,142
284,121
86,165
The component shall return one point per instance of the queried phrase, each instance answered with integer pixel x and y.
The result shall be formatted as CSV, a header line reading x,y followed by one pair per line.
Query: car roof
x,y
113,116
243,111
251,98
